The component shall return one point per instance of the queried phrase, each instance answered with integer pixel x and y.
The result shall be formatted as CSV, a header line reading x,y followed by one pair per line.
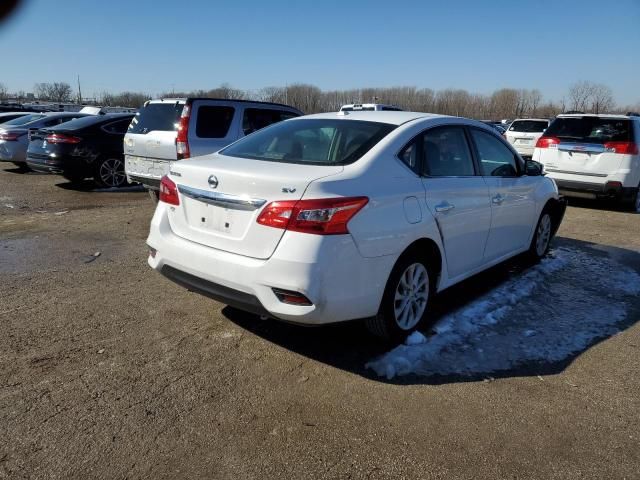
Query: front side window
x,y
313,141
214,121
446,153
496,159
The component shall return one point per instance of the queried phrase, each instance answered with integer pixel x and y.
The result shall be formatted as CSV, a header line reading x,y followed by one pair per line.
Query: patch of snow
x,y
416,338
551,311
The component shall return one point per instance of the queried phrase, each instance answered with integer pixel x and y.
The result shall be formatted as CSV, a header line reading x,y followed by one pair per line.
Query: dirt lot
x,y
108,370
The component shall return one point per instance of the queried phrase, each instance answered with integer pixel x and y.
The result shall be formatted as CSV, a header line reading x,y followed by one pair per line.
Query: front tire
x,y
110,173
405,300
541,240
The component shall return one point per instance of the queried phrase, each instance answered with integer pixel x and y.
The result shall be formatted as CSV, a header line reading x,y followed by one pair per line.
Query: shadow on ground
x,y
349,347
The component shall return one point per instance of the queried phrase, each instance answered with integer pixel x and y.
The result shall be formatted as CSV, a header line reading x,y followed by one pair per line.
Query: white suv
x,y
593,156
333,217
171,129
524,133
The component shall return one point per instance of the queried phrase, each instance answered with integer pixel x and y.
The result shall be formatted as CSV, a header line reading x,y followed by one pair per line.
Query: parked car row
x,y
358,214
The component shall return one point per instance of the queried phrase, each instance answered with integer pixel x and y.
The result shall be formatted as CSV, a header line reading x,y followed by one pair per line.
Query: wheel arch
x,y
427,248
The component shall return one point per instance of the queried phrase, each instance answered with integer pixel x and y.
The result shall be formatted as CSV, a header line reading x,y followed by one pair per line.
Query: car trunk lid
x,y
221,198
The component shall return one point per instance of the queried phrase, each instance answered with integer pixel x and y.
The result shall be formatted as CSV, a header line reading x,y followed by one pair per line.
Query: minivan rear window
x,y
157,116
311,141
591,129
528,126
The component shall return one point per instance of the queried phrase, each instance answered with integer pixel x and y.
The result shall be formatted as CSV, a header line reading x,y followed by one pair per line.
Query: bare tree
x,y
3,91
55,92
579,95
601,98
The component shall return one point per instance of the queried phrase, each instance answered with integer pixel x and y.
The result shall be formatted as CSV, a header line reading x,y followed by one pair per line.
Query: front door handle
x,y
444,207
498,199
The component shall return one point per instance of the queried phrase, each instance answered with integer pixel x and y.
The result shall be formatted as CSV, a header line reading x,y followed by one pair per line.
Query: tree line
x,y
584,96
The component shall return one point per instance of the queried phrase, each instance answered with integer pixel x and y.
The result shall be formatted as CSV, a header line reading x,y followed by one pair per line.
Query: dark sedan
x,y
89,147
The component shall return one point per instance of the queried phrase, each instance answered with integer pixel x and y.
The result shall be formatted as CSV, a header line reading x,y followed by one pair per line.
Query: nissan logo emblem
x,y
213,181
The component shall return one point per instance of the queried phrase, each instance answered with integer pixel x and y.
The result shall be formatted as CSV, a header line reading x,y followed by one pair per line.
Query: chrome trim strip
x,y
581,147
224,200
586,174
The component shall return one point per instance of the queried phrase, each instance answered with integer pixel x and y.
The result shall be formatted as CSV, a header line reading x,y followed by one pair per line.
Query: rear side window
x,y
254,119
162,117
313,141
446,153
118,128
528,126
496,159
214,121
591,129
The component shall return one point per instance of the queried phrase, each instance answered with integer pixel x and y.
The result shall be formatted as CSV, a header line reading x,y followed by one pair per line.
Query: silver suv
x,y
170,129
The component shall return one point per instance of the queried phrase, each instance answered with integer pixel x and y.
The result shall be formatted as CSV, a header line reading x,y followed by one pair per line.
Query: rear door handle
x,y
444,207
498,199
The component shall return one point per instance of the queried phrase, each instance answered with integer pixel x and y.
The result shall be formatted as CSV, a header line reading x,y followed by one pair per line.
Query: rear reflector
x,y
182,138
62,138
291,297
547,142
325,216
169,191
152,252
625,148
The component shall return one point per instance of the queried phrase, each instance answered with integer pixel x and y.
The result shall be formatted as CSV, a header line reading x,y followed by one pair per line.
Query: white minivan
x,y
523,134
169,129
593,156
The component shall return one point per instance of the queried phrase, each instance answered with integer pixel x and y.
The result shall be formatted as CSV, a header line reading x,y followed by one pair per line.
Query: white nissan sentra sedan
x,y
355,215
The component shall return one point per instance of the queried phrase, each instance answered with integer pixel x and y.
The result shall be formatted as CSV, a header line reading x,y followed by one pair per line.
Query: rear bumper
x,y
328,270
146,171
151,183
572,188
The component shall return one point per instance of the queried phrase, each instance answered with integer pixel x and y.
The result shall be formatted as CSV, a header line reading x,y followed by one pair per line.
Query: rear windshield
x,y
528,126
591,129
84,122
157,116
312,141
23,120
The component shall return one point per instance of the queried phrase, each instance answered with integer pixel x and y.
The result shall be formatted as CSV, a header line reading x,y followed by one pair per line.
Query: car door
x,y
457,197
511,193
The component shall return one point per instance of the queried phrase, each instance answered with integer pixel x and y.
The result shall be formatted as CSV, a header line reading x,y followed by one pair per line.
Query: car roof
x,y
392,117
601,115
4,114
232,100
534,119
63,114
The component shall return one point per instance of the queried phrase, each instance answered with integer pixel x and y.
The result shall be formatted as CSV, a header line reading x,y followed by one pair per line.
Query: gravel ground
x,y
107,370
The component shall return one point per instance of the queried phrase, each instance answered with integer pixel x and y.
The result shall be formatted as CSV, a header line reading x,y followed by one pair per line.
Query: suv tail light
x,y
10,136
326,216
169,191
547,142
182,138
626,148
62,138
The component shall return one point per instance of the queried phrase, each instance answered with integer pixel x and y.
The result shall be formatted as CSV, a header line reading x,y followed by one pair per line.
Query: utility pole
x,y
79,91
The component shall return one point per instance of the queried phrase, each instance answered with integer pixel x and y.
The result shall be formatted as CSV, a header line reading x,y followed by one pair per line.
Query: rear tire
x,y
541,240
634,201
110,173
405,301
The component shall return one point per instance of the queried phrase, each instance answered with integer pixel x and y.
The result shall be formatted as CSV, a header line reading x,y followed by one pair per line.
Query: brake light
x,y
626,148
10,136
547,142
169,191
182,138
62,138
326,216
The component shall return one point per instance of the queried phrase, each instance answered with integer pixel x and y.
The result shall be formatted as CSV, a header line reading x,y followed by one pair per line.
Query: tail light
x,y
182,139
626,148
547,142
326,216
10,136
169,191
62,138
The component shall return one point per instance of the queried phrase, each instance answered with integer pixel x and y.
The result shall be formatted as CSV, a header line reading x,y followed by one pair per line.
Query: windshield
x,y
313,141
591,129
162,117
23,120
528,126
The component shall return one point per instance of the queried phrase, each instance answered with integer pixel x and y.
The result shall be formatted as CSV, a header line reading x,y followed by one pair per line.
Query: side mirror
x,y
533,168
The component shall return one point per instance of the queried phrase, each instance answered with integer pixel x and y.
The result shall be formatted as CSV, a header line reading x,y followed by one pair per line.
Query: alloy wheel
x,y
544,235
112,173
411,296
